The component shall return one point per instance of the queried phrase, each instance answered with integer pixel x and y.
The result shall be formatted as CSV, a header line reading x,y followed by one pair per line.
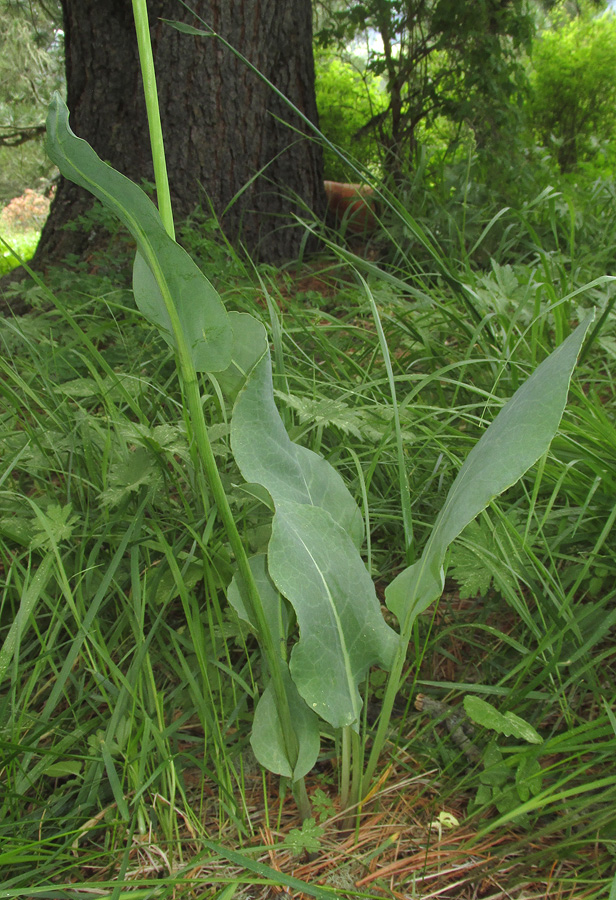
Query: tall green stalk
x,y
146,59
391,692
192,398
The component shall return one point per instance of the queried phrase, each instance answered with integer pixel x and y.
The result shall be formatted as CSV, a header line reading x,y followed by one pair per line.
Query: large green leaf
x,y
520,434
265,454
267,739
164,274
313,556
314,563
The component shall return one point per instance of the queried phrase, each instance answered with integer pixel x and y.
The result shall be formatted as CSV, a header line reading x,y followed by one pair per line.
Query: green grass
x,y
126,699
23,243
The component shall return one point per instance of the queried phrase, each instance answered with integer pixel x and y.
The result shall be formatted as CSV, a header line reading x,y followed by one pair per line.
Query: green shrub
x,y
347,100
20,226
573,101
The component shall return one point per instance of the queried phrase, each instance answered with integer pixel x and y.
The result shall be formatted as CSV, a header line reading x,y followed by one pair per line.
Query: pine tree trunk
x,y
223,131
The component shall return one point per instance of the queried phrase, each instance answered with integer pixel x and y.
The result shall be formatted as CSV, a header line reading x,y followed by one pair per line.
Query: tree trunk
x,y
223,130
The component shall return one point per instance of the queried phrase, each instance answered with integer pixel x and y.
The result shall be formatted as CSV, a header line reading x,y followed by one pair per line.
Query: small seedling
x,y
306,839
323,805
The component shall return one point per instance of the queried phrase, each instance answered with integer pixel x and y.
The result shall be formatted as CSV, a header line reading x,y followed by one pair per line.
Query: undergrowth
x,y
19,246
127,699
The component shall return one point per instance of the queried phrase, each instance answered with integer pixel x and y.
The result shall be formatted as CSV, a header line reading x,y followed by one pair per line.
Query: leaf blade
x,y
516,439
288,471
313,562
486,715
267,740
163,271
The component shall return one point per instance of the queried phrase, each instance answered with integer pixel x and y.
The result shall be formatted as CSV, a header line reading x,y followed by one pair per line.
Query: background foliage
x,y
31,68
348,97
572,106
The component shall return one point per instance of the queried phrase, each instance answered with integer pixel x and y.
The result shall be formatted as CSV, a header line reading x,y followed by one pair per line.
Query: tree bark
x,y
227,144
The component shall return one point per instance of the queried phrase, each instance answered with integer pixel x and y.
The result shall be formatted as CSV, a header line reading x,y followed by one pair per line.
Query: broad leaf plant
x,y
309,600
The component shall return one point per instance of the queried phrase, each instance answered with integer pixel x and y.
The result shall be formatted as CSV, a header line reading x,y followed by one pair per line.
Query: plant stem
x,y
394,680
192,398
253,598
345,767
384,718
301,798
352,764
391,691
357,750
140,15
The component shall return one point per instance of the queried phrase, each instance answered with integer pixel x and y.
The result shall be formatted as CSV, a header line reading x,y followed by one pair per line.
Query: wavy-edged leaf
x,y
508,723
164,273
519,435
313,556
265,454
267,740
202,316
314,563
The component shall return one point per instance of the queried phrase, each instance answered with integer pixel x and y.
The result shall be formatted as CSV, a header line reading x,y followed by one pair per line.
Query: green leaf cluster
x,y
507,786
505,783
573,98
348,98
306,839
484,554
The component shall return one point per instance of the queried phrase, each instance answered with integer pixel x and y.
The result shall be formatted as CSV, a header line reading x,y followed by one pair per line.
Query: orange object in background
x,y
352,204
